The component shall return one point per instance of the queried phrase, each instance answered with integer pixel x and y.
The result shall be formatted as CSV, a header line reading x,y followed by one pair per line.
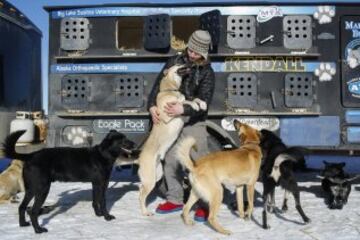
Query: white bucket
x,y
23,122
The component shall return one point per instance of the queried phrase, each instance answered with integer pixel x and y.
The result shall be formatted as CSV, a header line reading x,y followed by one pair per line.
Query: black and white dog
x,y
336,184
278,166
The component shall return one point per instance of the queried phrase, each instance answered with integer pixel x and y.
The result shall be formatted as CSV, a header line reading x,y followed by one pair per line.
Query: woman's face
x,y
193,56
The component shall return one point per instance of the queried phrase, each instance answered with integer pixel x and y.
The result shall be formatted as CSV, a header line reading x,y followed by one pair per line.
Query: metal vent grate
x,y
75,90
157,32
297,32
130,91
75,34
241,32
298,90
242,89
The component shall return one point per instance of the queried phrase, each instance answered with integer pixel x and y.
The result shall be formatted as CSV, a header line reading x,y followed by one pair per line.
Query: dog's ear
x,y
259,135
166,71
237,125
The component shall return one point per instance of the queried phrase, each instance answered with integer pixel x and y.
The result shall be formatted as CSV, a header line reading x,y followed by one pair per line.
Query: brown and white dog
x,y
163,134
11,182
239,167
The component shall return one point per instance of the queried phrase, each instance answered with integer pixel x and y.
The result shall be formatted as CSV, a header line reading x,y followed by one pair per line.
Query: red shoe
x,y
201,214
169,207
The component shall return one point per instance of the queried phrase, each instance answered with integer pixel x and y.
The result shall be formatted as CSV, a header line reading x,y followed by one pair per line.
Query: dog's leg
x,y
296,194
271,206
240,201
269,186
214,206
284,207
192,104
39,201
96,201
106,214
22,208
191,201
148,181
21,184
250,195
331,201
265,211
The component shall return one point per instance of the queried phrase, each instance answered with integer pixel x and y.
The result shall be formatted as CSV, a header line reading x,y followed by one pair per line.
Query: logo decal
x,y
354,87
267,13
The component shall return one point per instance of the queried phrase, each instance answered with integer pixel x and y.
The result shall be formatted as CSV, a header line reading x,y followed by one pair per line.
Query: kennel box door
x,y
210,21
74,34
298,31
157,32
241,32
299,90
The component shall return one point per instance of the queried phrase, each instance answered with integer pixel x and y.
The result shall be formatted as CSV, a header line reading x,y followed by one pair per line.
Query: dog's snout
x,y
183,71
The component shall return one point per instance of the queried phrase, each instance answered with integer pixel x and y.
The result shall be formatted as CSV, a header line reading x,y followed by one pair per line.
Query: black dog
x,y
68,165
336,184
278,166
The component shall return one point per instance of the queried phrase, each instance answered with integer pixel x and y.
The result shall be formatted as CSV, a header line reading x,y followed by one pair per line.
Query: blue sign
x,y
92,68
177,11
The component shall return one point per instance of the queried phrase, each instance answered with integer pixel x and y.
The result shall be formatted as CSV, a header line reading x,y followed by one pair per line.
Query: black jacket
x,y
199,83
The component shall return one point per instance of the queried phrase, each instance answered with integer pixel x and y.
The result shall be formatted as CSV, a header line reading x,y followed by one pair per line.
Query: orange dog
x,y
239,167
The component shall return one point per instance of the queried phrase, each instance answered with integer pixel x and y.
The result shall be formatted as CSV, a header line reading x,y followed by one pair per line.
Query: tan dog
x,y
237,167
11,182
163,134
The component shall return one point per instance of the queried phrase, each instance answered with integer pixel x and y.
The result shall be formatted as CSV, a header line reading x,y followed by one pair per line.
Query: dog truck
x,y
20,66
288,66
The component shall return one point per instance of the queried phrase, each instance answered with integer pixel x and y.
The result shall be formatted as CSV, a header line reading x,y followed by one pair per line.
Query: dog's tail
x,y
9,146
275,172
183,152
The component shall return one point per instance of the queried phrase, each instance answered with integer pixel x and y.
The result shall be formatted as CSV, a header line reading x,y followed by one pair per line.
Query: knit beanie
x,y
199,42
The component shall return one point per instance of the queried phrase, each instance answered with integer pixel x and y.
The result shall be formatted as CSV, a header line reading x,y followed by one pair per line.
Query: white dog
x,y
163,134
11,182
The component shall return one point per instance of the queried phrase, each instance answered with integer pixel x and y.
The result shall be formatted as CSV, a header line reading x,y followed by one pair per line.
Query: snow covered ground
x,y
73,216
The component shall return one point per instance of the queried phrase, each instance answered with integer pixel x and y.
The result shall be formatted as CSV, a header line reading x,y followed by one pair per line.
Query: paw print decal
x,y
325,72
324,14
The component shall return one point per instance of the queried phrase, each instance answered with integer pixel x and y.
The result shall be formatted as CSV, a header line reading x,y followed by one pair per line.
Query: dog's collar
x,y
251,142
127,151
170,90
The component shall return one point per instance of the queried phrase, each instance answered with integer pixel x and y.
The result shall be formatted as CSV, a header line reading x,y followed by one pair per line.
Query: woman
x,y
198,82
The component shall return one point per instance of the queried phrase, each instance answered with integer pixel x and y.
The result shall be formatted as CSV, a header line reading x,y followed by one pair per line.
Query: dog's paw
x,y
324,14
307,220
187,220
109,217
147,213
267,227
325,72
226,232
270,208
24,224
40,230
284,208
